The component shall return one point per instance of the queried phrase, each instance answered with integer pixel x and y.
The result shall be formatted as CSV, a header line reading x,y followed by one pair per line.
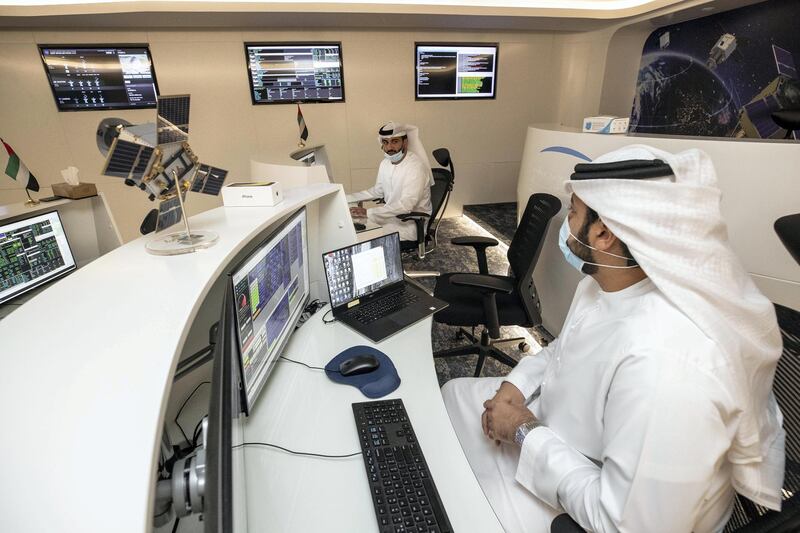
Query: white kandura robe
x,y
405,187
639,412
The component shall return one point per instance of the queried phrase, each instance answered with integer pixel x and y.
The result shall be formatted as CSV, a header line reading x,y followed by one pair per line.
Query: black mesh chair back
x,y
442,185
527,245
748,517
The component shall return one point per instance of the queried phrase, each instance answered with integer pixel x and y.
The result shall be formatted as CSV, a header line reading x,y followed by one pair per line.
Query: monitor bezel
x,y
366,297
295,43
496,46
58,276
247,405
146,46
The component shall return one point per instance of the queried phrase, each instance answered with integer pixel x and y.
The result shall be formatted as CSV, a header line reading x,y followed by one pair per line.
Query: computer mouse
x,y
358,364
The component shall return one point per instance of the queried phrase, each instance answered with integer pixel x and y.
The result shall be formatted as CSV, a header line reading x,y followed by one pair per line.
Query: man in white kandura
x,y
655,403
404,181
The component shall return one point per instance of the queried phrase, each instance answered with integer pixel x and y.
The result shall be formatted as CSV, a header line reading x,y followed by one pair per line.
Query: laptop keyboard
x,y
383,307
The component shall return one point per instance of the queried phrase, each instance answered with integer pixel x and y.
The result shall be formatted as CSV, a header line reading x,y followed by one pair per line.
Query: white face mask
x,y
395,158
576,261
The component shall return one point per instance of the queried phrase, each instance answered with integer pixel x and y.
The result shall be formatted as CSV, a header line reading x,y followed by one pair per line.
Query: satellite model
x,y
721,50
157,158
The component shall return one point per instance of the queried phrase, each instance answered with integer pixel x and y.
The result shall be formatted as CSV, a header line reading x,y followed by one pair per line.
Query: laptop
x,y
368,292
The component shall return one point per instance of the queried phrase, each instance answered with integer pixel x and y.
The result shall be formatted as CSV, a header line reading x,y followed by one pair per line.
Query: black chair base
x,y
483,348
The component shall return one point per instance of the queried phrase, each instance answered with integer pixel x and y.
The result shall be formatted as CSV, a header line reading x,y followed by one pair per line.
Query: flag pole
x,y
30,202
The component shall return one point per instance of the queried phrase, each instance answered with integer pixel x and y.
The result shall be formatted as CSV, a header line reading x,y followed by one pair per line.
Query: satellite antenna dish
x,y
108,130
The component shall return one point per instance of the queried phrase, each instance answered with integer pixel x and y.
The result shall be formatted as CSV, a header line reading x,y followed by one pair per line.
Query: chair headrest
x,y
442,156
788,119
788,230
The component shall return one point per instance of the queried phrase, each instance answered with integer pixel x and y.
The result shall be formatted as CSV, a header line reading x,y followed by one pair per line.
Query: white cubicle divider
x,y
289,176
88,366
760,182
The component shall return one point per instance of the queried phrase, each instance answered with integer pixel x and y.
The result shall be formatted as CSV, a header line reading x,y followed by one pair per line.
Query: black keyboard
x,y
403,492
383,306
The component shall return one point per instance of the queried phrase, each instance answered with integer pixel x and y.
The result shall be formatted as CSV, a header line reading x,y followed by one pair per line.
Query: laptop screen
x,y
362,269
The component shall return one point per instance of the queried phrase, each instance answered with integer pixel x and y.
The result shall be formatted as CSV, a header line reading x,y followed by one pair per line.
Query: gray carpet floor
x,y
450,258
498,219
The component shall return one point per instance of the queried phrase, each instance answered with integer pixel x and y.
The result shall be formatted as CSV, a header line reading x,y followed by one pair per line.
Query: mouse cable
x,y
308,366
184,405
326,314
294,452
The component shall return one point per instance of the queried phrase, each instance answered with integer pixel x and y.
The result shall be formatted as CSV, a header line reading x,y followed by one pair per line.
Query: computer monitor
x,y
361,269
456,71
33,251
270,290
92,77
286,73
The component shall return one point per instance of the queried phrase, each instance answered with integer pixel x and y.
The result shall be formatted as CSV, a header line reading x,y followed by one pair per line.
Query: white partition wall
x,y
760,182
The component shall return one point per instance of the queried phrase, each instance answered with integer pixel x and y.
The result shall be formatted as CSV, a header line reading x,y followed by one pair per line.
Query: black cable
x,y
175,525
184,405
196,433
294,452
326,314
304,364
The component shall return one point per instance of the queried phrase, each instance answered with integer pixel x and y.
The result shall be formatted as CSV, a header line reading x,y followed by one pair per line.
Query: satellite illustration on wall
x,y
721,75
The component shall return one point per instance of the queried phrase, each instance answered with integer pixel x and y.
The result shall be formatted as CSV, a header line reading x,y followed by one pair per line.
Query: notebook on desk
x,y
367,290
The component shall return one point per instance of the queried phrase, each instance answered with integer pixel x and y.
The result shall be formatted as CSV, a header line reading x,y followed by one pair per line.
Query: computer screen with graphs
x,y
270,289
33,251
285,73
100,77
456,71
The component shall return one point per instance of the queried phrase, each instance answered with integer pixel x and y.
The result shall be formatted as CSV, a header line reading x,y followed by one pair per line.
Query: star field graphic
x,y
721,75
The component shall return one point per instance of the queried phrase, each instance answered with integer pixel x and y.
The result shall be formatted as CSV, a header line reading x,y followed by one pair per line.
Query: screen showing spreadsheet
x,y
33,251
85,78
456,71
285,73
271,289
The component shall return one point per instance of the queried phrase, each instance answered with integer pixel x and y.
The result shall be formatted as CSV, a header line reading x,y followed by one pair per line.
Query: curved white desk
x,y
302,410
760,182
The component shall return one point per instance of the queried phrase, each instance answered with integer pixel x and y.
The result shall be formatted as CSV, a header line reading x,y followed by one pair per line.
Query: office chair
x,y
491,300
443,180
788,119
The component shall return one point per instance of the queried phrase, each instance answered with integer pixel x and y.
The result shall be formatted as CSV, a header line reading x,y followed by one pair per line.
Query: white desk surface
x,y
303,410
86,367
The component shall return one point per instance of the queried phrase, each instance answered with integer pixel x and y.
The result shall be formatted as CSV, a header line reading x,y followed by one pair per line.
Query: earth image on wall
x,y
722,75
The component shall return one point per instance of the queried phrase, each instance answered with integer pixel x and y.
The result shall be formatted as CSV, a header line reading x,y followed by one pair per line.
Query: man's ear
x,y
604,239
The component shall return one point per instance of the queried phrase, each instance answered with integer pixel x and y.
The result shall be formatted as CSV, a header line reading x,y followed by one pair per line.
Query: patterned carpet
x,y
449,258
499,219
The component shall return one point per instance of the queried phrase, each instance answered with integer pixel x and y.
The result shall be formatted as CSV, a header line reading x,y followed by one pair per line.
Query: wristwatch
x,y
524,429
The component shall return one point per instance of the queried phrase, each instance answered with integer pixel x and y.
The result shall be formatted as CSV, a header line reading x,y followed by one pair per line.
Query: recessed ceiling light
x,y
707,9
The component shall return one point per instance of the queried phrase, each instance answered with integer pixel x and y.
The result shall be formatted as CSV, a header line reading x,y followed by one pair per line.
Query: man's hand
x,y
501,419
507,393
358,212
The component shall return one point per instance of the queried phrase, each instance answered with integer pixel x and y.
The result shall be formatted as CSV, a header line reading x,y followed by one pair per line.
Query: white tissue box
x,y
253,193
605,125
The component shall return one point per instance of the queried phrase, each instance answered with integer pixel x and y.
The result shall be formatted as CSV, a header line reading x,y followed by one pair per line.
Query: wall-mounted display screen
x,y
285,73
456,71
100,77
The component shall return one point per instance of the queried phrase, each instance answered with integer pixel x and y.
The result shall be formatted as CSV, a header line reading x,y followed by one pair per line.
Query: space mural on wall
x,y
721,75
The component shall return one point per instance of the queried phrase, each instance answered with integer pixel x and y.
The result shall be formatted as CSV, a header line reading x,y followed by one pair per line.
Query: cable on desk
x,y
175,525
296,453
326,314
184,405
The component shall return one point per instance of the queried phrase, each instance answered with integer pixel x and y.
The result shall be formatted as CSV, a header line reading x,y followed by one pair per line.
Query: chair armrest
x,y
475,241
479,244
412,215
483,283
422,274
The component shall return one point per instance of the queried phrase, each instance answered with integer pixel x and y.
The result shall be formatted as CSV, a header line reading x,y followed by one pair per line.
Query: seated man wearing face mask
x,y
654,404
404,181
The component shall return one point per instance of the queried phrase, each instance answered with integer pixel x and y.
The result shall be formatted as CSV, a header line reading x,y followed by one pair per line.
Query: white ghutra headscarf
x,y
393,129
674,229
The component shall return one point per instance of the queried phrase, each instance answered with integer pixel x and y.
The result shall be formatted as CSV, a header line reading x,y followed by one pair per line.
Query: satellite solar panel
x,y
759,113
125,157
173,118
169,213
209,180
784,62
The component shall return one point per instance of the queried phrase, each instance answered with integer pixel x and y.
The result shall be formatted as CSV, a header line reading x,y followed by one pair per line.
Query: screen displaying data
x,y
289,73
100,78
271,289
456,71
363,268
32,251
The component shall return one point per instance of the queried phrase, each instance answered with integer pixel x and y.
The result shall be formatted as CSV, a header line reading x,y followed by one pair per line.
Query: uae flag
x,y
301,123
16,168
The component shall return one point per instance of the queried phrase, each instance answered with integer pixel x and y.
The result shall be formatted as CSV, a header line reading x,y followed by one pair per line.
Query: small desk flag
x,y
301,123
15,168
